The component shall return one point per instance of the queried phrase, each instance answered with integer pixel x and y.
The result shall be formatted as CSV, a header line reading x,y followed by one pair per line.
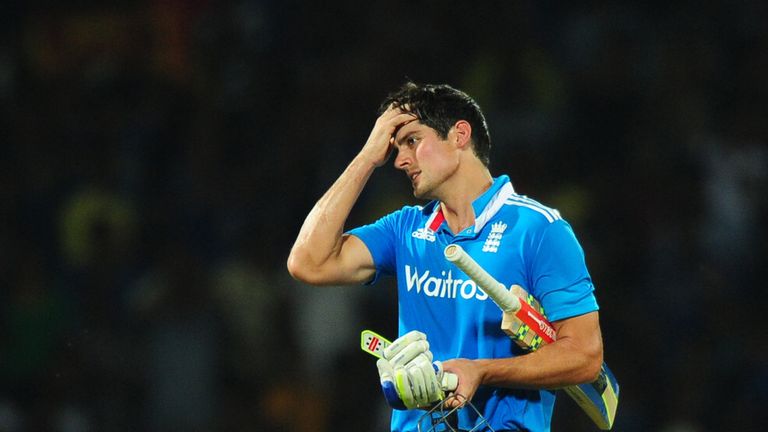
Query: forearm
x,y
322,255
320,237
552,366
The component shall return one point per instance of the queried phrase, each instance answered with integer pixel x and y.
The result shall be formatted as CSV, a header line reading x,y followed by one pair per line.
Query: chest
x,y
423,269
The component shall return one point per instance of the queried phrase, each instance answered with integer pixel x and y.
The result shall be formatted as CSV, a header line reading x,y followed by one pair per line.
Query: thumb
x,y
461,393
386,372
458,397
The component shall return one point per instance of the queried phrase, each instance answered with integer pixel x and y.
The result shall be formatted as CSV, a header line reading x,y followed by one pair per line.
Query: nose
x,y
402,159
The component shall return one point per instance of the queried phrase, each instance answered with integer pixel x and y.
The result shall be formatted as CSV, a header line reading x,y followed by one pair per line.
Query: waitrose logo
x,y
444,286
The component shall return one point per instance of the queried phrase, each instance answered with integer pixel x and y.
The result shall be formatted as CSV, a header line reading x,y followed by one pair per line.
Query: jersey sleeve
x,y
559,275
379,238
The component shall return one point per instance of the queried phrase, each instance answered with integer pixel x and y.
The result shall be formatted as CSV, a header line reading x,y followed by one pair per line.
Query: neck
x,y
456,201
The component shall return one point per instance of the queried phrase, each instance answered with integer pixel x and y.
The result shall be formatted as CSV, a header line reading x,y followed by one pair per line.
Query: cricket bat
x,y
524,322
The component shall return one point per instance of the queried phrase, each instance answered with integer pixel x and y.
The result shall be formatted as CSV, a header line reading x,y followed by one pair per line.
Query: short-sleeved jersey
x,y
518,241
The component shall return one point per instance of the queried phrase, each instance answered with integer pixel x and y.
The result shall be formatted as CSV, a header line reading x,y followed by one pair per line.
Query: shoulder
x,y
404,218
540,226
414,213
415,209
531,211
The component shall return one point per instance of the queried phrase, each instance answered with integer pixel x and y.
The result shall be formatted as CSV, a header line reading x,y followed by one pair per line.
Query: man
x,y
442,145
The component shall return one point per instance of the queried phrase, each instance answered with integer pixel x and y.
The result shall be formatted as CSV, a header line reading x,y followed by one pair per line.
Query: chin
x,y
422,194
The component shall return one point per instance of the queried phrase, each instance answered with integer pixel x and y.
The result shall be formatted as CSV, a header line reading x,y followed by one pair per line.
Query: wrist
x,y
366,161
482,369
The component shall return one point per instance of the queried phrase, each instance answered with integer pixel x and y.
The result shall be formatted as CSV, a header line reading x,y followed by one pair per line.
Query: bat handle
x,y
507,301
450,381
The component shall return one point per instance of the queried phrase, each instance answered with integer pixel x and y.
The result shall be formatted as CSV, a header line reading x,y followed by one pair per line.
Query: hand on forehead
x,y
405,129
406,108
404,118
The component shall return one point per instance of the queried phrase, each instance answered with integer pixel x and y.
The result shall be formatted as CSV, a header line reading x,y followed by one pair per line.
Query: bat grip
x,y
507,301
449,381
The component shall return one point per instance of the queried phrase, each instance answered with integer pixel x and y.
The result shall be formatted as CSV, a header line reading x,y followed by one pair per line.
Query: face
x,y
427,160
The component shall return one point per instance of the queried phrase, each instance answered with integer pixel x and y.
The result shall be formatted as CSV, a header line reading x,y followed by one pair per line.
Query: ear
x,y
462,134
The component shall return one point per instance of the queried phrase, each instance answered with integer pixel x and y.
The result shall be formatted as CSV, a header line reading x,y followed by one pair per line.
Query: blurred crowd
x,y
159,157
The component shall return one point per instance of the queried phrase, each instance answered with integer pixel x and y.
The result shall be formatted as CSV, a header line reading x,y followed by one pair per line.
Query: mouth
x,y
413,176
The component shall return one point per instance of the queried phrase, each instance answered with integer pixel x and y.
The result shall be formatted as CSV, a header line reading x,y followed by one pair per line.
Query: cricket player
x,y
441,143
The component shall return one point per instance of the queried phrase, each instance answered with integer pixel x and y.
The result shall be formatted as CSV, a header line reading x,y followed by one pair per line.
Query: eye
x,y
411,140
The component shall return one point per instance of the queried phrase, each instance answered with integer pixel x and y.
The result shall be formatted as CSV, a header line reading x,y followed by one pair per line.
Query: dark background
x,y
158,158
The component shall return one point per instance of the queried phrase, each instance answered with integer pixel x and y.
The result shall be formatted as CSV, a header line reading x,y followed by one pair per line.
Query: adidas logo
x,y
424,234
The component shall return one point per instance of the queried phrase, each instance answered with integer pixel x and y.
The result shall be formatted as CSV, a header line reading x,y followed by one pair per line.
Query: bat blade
x,y
598,399
528,327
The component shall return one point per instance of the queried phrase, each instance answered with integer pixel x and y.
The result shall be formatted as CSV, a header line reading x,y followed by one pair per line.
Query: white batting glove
x,y
409,379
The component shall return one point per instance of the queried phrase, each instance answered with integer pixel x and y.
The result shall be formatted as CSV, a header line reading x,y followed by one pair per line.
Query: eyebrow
x,y
405,137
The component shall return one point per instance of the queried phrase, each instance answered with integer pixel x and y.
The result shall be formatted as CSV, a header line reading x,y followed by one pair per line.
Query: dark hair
x,y
440,106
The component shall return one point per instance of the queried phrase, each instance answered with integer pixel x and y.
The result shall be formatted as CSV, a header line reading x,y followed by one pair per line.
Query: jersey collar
x,y
485,206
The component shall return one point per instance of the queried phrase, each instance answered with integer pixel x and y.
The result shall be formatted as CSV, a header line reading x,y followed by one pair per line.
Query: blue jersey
x,y
515,239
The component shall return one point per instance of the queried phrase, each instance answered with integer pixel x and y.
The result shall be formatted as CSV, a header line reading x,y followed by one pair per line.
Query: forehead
x,y
413,127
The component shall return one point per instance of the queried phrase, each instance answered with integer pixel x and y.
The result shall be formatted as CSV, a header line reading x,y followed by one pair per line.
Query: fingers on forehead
x,y
401,107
